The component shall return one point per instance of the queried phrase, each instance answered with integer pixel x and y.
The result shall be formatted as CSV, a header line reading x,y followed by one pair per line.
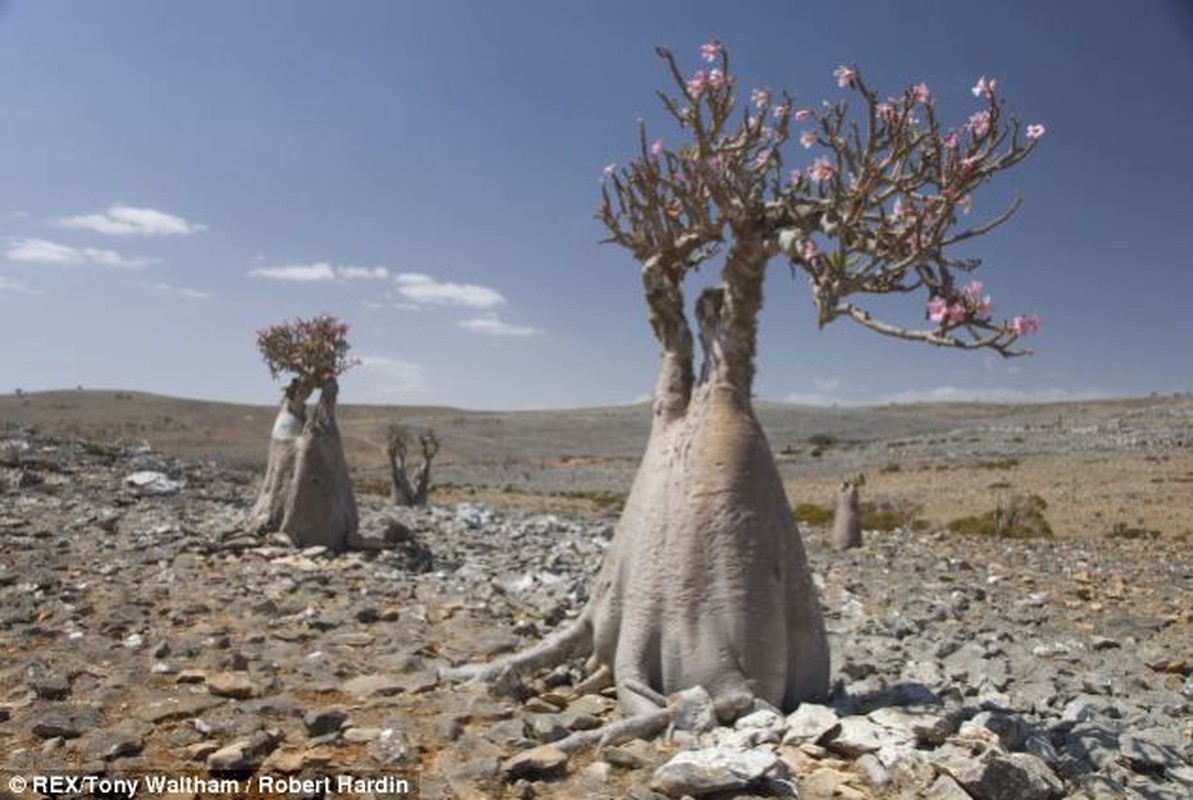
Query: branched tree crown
x,y
875,212
314,351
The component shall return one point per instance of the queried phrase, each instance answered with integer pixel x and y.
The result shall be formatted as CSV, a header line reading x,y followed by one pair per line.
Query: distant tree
x,y
403,491
20,392
307,493
706,582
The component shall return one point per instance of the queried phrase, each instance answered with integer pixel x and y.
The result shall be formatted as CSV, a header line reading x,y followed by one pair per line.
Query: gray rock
x,y
1011,776
543,761
856,737
322,721
1012,730
66,722
699,772
811,723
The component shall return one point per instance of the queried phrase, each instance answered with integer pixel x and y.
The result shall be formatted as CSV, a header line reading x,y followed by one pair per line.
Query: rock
x,y
245,753
543,761
945,788
322,721
1011,730
699,772
1011,776
66,722
237,685
374,685
148,483
856,737
811,723
50,687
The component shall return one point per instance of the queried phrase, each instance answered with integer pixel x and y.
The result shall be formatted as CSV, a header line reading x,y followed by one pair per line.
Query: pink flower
x,y
802,114
808,138
902,209
886,111
810,250
762,158
984,88
980,303
782,110
657,148
711,49
938,310
966,203
821,170
950,140
716,79
609,169
759,97
1025,325
979,123
967,164
845,76
794,176
922,93
1035,131
958,313
698,82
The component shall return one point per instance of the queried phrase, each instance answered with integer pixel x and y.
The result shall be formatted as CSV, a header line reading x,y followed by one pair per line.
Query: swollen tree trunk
x,y
706,582
847,520
402,491
307,493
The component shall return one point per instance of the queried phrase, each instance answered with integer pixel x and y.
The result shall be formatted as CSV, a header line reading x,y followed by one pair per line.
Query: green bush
x,y
813,514
1021,518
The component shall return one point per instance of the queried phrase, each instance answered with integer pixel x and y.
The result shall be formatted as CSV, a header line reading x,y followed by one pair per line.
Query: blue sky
x,y
174,176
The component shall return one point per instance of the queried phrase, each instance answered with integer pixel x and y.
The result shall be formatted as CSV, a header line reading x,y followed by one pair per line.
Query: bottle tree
x,y
307,493
706,582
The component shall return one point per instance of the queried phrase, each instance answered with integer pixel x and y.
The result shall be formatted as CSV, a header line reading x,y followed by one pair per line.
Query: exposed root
x,y
573,641
644,691
640,726
602,678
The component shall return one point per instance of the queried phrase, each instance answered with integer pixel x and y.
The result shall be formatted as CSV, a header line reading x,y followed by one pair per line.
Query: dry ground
x,y
1098,465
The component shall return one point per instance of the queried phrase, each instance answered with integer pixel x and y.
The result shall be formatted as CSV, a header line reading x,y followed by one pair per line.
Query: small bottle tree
x,y
307,493
403,491
706,582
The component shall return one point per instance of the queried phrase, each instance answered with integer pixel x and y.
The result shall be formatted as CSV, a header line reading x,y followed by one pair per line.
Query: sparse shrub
x,y
892,515
998,463
1122,530
889,468
1021,518
813,514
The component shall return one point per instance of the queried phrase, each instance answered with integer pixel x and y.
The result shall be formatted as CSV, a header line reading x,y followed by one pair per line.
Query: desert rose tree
x,y
706,582
307,493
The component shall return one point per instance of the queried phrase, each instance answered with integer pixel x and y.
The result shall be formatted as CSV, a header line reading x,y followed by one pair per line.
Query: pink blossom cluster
x,y
821,170
846,76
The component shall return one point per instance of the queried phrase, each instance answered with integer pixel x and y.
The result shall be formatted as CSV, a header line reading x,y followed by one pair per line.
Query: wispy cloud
x,y
490,325
320,271
180,292
42,251
419,288
13,286
385,379
959,394
122,220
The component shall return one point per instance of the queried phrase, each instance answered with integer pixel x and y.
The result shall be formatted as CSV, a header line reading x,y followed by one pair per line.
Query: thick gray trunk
x,y
307,493
847,521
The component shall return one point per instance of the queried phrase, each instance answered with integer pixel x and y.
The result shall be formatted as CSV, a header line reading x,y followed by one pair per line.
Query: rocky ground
x,y
144,633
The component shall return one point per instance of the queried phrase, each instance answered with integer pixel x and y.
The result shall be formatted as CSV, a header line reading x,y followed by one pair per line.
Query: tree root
x,y
574,640
640,726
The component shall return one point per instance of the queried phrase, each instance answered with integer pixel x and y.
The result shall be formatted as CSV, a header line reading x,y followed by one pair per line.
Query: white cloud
x,y
180,292
320,271
121,220
41,251
13,286
421,288
362,273
384,379
957,394
490,325
302,273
